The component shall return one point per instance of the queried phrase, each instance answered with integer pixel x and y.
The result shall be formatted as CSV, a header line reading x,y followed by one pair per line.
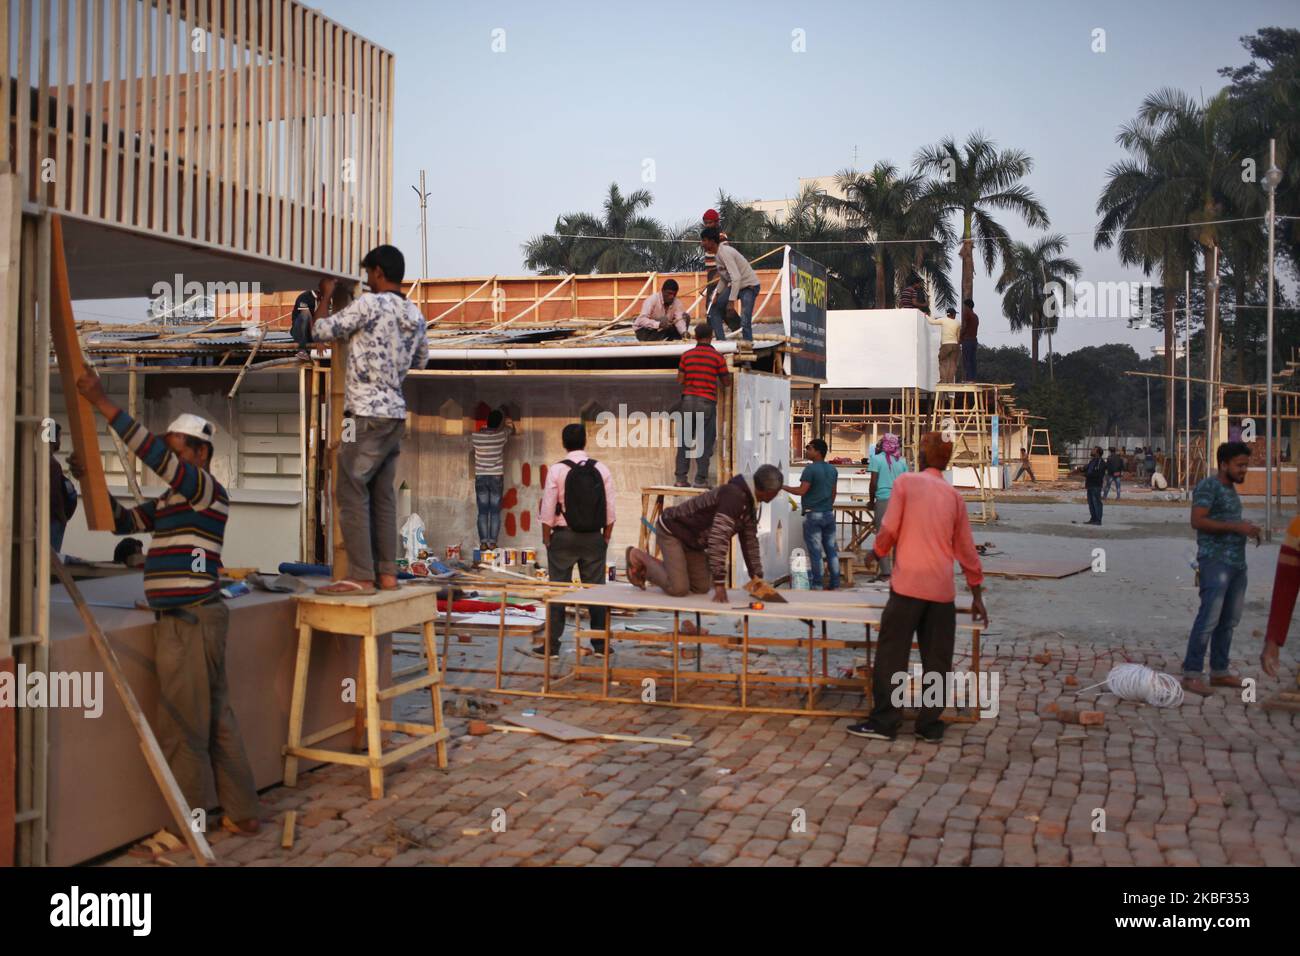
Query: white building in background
x,y
779,208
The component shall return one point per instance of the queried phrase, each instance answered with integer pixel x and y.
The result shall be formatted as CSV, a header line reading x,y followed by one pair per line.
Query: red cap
x,y
711,215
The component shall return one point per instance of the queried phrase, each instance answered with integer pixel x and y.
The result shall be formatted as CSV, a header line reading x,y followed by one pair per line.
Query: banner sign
x,y
803,312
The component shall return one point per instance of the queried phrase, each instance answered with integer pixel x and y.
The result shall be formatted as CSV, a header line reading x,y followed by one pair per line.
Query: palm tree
x,y
973,181
1029,274
1198,146
615,241
1141,195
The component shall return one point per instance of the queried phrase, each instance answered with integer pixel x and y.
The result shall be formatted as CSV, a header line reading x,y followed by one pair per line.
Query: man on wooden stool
x,y
388,337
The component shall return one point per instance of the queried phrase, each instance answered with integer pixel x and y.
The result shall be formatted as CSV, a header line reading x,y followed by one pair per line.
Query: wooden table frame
x,y
822,609
367,617
652,506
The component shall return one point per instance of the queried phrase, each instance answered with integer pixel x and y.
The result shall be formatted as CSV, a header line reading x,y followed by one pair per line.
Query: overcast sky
x,y
714,94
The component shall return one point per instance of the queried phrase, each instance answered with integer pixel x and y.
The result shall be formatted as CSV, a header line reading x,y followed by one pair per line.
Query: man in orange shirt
x,y
928,524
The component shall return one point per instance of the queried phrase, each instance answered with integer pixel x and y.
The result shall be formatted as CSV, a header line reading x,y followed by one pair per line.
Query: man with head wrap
x,y
927,520
885,466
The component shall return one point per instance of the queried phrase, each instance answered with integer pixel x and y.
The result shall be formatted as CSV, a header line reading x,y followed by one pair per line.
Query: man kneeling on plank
x,y
927,521
695,536
195,724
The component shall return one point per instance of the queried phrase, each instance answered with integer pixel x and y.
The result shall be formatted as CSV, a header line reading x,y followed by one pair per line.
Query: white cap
x,y
193,426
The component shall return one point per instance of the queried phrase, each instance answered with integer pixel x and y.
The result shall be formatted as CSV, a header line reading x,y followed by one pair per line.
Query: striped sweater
x,y
707,522
187,522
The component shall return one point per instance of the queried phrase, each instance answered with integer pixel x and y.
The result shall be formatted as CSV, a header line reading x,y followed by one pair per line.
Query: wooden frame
x,y
140,141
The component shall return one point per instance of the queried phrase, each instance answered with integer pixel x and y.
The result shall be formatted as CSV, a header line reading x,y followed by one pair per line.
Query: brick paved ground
x,y
1216,781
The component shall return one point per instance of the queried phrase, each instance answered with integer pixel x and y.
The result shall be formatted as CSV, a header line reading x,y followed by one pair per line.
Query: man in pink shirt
x,y
577,521
928,524
663,318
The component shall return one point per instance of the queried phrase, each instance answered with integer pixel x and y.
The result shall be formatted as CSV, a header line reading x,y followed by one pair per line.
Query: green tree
x,y
1033,285
973,181
620,239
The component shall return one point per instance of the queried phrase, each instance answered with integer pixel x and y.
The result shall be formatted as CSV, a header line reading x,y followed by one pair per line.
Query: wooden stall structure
x,y
218,143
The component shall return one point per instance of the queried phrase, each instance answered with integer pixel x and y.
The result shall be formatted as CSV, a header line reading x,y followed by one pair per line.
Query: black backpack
x,y
584,496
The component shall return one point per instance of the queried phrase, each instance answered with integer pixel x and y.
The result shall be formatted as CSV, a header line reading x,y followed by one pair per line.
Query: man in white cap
x,y
195,723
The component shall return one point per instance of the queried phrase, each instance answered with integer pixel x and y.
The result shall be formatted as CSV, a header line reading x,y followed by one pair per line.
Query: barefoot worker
x,y
388,337
695,536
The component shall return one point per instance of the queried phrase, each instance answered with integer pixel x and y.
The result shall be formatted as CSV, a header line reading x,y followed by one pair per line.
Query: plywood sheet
x,y
1004,568
552,728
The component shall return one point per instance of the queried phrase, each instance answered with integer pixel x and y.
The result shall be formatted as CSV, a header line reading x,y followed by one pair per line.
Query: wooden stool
x,y
652,506
367,617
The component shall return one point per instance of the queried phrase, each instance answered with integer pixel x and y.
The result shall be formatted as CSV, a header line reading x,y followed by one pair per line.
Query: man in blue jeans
x,y
1094,473
733,304
489,444
1221,557
1114,471
816,488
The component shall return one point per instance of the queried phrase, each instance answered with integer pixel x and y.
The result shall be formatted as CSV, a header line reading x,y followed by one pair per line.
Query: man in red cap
x,y
927,521
711,220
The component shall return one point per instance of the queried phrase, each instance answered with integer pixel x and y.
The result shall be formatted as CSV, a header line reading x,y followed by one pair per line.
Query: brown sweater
x,y
707,522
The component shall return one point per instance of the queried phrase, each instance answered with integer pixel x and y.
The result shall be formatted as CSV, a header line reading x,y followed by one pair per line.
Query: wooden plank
x,y
286,839
81,416
130,158
629,738
112,155
1044,569
11,206
23,121
153,755
551,728
240,177
43,189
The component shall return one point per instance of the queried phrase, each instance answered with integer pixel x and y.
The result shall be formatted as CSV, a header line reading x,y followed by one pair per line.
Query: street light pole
x,y
1272,177
1187,392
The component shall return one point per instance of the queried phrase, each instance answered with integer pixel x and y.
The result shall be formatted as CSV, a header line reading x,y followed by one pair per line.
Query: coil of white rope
x,y
1139,682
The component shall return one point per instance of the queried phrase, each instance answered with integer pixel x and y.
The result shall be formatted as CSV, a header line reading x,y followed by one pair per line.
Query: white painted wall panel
x,y
881,348
763,438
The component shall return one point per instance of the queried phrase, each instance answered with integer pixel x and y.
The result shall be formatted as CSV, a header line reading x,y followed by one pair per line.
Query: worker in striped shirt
x,y
699,371
195,723
489,444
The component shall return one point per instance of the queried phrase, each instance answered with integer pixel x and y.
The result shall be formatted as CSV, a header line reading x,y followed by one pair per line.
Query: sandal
x,y
345,586
635,575
153,847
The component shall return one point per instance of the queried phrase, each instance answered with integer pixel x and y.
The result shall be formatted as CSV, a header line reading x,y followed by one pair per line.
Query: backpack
x,y
584,496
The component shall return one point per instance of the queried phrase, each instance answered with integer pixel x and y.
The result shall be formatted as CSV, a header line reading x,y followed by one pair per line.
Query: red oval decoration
x,y
542,479
526,471
526,521
510,524
510,500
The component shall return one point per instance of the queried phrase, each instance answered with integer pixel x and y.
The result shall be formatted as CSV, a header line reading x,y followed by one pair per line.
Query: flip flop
x,y
395,587
155,846
636,578
345,586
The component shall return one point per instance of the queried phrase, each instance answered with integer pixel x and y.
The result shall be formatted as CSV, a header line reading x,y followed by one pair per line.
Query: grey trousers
x,y
700,425
587,550
196,726
365,495
682,571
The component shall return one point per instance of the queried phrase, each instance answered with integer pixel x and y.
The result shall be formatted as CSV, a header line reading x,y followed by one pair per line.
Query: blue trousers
x,y
1223,595
1094,504
487,495
748,296
1111,480
819,537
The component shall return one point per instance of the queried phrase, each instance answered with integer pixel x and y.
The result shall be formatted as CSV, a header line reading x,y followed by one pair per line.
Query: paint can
x,y
612,571
530,555
477,555
540,574
489,556
453,552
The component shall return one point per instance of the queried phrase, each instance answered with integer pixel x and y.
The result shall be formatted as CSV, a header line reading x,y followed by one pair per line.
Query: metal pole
x,y
1187,391
424,227
1211,354
1271,179
1148,444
